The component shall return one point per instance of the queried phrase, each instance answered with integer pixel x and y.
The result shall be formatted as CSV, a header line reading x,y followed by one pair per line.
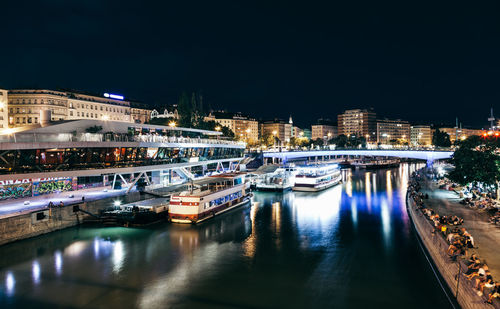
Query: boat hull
x,y
272,189
316,188
195,219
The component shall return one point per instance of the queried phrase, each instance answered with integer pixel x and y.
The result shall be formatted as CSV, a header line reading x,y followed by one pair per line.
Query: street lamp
x,y
172,124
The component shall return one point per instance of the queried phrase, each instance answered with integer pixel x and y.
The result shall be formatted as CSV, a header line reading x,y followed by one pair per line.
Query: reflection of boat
x,y
280,180
317,177
375,163
136,214
208,198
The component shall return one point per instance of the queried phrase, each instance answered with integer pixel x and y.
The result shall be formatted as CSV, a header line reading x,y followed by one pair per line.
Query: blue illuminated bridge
x,y
427,155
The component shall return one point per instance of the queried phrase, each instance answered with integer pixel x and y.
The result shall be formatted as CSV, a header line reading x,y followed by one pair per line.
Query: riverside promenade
x,y
446,203
486,235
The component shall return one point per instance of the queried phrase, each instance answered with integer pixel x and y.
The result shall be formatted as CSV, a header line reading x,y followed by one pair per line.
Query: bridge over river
x,y
428,155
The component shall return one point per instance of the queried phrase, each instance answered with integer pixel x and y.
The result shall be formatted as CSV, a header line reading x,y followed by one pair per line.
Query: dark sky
x,y
406,59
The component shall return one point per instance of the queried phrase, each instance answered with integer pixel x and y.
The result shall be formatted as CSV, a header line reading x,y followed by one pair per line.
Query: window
x,y
29,119
36,119
71,113
78,114
11,110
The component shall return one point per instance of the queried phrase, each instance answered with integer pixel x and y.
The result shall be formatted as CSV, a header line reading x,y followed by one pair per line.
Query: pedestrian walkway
x,y
486,235
18,206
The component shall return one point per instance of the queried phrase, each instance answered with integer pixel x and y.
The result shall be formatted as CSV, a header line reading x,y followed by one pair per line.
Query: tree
x,y
318,142
340,141
441,139
476,161
185,110
267,139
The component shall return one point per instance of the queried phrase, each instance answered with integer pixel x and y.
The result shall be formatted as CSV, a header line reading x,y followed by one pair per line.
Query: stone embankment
x,y
42,221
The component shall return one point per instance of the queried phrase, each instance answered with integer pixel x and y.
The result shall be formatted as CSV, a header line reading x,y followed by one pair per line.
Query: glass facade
x,y
48,160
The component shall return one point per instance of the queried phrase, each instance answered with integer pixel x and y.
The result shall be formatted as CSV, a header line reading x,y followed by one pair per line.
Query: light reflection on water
x,y
291,250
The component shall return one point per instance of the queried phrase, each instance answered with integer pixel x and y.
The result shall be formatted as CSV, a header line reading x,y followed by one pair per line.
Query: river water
x,y
351,246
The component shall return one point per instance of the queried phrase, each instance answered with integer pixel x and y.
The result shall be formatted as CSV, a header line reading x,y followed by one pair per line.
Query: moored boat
x,y
317,177
209,197
376,163
280,180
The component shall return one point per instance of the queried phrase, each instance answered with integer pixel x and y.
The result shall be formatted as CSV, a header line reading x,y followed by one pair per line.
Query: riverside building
x,y
244,127
324,129
393,132
25,105
278,128
460,133
361,122
48,157
4,116
420,135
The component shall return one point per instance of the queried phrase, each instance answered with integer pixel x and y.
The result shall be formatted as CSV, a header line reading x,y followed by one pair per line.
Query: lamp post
x,y
218,128
172,124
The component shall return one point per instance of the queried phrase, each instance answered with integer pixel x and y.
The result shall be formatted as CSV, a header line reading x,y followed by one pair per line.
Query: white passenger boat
x,y
280,180
317,177
209,197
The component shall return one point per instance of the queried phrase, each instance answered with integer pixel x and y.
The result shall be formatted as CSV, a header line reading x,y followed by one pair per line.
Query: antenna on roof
x,y
492,120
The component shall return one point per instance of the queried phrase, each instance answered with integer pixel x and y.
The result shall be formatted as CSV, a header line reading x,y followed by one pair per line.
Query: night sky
x,y
420,62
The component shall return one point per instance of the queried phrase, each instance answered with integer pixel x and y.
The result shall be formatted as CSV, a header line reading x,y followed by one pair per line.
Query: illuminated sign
x,y
113,96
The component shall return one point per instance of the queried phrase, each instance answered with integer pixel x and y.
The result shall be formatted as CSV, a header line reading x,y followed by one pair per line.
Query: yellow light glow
x,y
172,124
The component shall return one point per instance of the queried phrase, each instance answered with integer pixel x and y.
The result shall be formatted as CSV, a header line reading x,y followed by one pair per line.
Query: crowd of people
x,y
460,242
475,197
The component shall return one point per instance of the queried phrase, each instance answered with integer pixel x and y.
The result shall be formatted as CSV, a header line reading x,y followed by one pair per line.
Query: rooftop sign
x,y
113,96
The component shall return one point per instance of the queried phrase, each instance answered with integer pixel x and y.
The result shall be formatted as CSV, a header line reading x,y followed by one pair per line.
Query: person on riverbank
x,y
481,272
486,281
495,293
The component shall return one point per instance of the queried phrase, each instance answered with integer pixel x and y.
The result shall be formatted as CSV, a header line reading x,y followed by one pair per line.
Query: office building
x,y
420,135
361,122
393,132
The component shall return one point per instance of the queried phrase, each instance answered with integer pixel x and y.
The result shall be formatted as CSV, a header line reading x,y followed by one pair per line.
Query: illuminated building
x,y
324,129
420,135
4,116
244,127
25,105
461,132
393,131
140,112
278,128
361,122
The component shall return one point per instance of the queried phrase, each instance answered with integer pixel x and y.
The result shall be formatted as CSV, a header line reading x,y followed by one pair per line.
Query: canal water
x,y
351,246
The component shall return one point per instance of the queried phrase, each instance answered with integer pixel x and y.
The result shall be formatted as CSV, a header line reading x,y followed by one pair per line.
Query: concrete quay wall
x,y
452,272
43,221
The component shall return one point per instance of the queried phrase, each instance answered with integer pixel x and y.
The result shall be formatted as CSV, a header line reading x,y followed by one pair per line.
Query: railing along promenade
x,y
109,137
451,271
